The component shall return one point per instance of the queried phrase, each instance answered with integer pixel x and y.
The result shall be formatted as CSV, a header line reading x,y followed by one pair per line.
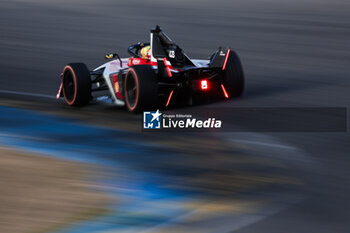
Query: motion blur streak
x,y
152,196
295,54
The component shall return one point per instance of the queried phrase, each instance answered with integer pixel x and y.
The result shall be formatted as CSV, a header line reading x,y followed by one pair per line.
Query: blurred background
x,y
93,170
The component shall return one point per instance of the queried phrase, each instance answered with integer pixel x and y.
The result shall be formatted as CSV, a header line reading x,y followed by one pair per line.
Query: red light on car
x,y
204,84
224,90
169,98
116,86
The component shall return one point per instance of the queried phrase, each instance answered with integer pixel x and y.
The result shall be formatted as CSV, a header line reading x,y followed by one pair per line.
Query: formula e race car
x,y
164,77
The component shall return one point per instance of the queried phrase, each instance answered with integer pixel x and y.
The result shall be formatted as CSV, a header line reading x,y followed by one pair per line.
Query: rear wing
x,y
163,47
219,59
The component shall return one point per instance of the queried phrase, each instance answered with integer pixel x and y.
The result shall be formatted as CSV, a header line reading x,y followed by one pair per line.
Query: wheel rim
x,y
68,86
131,90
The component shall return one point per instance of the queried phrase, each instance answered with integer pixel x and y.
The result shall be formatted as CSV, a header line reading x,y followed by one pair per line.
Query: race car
x,y
163,77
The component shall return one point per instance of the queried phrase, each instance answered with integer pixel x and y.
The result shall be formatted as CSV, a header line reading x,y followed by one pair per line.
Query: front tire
x,y
140,88
234,76
76,84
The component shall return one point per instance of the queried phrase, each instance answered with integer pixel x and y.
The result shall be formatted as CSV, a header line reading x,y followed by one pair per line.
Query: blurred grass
x,y
40,194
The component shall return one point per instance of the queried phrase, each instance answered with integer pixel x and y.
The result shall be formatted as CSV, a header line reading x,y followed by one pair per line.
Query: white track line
x,y
27,94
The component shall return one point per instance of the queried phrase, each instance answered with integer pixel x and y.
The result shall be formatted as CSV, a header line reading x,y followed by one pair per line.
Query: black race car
x,y
162,77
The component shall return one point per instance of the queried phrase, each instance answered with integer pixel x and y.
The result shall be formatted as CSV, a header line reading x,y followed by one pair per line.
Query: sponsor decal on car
x,y
135,61
172,54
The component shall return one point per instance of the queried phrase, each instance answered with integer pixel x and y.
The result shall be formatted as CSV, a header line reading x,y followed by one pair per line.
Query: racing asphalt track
x,y
295,53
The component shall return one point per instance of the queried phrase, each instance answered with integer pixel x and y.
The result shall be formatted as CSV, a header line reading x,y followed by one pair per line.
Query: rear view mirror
x,y
114,55
110,55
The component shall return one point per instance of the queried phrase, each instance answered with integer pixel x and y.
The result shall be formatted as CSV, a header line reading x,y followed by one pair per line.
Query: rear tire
x,y
76,84
140,88
234,76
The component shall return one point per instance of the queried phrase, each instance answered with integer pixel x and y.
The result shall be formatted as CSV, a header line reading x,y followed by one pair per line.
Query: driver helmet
x,y
146,52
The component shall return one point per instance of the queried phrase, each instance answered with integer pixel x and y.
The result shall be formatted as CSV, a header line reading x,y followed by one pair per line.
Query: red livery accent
x,y
116,86
224,90
167,67
59,91
169,98
226,58
134,61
